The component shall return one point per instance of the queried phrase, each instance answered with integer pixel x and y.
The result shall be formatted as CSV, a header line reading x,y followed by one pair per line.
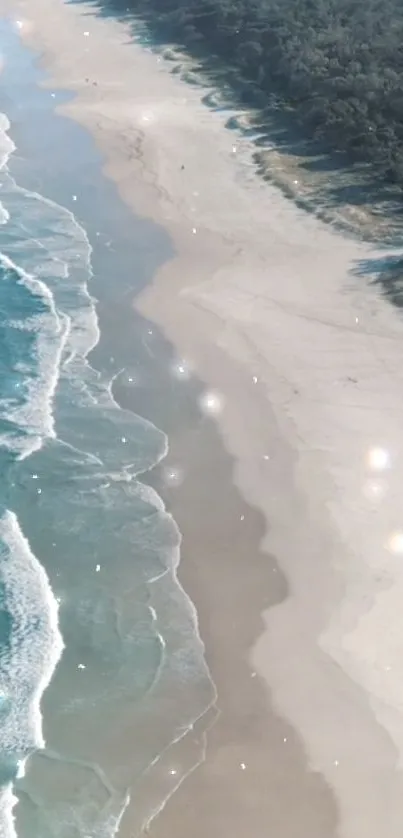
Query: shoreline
x,y
302,416
128,337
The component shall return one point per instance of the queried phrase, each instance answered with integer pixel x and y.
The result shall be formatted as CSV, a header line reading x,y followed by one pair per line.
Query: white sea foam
x,y
61,257
57,268
51,331
28,659
8,800
7,146
6,149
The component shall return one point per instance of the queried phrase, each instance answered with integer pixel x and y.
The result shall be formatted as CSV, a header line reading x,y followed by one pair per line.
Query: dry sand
x,y
264,302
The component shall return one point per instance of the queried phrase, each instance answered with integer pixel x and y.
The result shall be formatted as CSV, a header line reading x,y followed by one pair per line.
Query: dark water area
x,y
90,600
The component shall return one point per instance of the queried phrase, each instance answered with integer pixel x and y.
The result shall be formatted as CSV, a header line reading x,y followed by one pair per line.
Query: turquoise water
x,y
102,672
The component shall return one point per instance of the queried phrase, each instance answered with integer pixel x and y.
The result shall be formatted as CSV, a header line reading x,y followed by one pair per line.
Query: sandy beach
x,y
293,535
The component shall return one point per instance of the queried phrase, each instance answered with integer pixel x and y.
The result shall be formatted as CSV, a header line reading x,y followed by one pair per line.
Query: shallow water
x,y
102,670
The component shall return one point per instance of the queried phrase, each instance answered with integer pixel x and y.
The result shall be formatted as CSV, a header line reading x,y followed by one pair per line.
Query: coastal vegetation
x,y
336,64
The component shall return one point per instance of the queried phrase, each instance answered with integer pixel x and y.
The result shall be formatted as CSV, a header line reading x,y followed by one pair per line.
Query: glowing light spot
x,y
266,456
173,476
336,762
181,370
19,24
173,771
378,459
86,34
395,543
211,402
98,568
74,197
234,149
254,379
373,490
194,231
296,181
81,666
147,116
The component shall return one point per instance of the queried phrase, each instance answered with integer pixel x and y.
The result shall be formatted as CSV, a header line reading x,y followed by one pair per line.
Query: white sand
x,y
262,301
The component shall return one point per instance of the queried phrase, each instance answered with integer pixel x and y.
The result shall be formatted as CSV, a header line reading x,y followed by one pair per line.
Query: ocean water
x,y
102,671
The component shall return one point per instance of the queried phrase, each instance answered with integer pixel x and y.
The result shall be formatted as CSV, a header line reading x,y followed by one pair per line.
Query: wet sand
x,y
254,761
301,361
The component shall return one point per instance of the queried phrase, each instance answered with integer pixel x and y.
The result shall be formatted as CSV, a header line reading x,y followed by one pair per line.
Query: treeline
x,y
337,63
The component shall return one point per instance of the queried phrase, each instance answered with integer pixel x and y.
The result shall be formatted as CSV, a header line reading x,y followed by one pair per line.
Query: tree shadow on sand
x,y
327,184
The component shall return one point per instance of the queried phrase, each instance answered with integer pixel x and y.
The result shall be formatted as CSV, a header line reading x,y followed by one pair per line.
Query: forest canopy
x,y
337,63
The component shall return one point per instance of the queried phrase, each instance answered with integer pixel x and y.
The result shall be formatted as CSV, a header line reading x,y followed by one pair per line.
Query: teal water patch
x,y
102,670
